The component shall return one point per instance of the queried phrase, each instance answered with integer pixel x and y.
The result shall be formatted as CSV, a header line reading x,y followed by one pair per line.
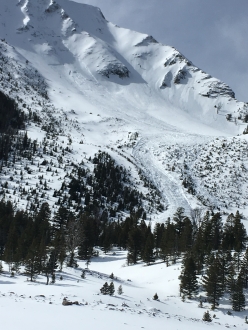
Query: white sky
x,y
212,34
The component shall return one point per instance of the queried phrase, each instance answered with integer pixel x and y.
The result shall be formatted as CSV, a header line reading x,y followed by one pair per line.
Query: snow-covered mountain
x,y
95,86
113,124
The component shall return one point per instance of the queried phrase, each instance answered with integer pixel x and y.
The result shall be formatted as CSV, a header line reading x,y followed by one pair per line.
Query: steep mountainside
x,y
86,85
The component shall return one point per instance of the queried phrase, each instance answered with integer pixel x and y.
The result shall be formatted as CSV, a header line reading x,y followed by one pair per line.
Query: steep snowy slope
x,y
114,89
75,42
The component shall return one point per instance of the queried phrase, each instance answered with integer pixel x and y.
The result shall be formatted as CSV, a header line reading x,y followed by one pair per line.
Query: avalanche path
x,y
149,154
171,190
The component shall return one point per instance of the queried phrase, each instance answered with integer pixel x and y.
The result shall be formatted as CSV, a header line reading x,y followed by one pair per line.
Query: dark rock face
x,y
181,74
147,41
177,57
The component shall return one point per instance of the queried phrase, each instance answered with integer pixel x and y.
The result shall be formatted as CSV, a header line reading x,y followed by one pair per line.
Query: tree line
x,y
42,242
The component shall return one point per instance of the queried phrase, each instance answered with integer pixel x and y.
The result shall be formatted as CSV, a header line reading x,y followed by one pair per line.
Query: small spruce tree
x,y
120,290
207,317
111,289
155,297
105,289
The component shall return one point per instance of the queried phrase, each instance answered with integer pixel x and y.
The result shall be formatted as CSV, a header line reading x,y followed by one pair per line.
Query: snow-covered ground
x,y
27,305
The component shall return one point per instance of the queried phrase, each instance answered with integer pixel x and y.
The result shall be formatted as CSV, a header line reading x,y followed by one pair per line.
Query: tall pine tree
x,y
188,279
212,282
237,295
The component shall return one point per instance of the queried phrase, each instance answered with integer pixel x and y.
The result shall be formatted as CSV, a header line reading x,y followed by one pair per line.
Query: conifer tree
x,y
41,224
106,237
188,285
207,317
59,245
120,290
155,297
105,289
50,265
228,233
225,260
147,253
168,242
244,269
178,218
237,296
111,289
11,245
199,251
231,278
205,230
186,239
196,218
216,231
72,239
212,282
88,232
134,245
42,254
32,262
158,233
240,235
237,261
6,216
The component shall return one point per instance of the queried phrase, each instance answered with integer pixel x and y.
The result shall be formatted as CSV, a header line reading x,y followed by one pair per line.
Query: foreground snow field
x,y
26,305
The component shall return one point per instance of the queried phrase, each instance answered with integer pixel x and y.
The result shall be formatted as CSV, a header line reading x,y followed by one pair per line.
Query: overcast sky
x,y
213,34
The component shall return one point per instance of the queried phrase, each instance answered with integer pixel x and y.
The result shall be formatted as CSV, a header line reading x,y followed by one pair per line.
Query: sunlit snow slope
x,y
126,90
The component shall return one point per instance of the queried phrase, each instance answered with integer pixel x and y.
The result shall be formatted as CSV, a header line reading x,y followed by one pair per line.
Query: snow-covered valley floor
x,y
35,305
